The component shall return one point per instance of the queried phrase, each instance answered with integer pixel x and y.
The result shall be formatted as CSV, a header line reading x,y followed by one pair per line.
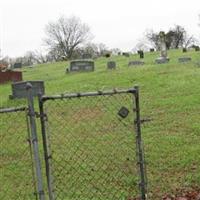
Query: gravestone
x,y
184,59
135,62
126,54
17,65
197,48
163,49
184,50
81,65
141,53
111,65
19,89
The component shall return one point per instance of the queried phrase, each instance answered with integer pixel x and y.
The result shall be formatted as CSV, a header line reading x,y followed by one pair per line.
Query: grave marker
x,y
81,65
17,65
19,89
135,62
111,65
184,59
163,49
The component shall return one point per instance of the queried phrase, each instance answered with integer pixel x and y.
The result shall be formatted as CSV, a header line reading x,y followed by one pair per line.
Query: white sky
x,y
113,22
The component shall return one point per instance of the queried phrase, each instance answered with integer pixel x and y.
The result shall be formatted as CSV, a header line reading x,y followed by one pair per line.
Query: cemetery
x,y
161,128
81,119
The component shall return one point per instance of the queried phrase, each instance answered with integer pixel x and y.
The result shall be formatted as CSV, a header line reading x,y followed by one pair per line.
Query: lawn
x,y
169,96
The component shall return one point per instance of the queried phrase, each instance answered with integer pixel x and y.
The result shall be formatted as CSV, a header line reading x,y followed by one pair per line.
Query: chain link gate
x,y
89,145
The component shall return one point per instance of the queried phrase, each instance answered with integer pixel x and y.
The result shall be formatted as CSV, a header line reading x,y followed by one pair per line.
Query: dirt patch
x,y
192,194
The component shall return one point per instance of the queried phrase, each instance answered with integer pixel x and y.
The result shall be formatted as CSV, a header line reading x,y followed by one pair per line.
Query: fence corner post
x,y
34,140
140,152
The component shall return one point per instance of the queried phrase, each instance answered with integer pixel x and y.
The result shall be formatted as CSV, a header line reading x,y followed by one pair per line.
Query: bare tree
x,y
189,40
66,34
153,38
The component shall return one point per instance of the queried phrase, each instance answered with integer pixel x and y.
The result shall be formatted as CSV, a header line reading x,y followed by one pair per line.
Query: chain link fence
x,y
92,151
16,163
90,148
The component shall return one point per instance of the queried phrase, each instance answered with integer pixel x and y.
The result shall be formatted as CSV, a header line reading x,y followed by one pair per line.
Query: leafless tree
x,y
66,34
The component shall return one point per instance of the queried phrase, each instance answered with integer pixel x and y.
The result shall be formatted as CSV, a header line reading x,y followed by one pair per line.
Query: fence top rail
x,y
13,109
87,94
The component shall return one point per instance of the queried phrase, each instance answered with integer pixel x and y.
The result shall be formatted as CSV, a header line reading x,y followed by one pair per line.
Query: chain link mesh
x,y
16,167
93,151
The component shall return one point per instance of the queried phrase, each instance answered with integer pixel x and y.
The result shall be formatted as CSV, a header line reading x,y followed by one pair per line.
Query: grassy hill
x,y
170,96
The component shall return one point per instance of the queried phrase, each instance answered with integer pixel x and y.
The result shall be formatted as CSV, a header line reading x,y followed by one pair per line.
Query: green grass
x,y
169,95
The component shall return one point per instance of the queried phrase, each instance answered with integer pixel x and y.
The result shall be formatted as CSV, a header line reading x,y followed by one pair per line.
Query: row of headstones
x,y
89,65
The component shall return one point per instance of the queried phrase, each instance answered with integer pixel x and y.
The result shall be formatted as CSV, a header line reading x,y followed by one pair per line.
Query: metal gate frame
x,y
136,123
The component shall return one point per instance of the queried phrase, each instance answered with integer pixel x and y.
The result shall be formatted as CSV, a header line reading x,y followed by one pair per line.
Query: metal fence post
x,y
47,155
34,141
140,153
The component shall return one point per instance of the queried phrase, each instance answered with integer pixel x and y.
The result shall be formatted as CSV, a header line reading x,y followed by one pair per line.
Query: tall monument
x,y
163,49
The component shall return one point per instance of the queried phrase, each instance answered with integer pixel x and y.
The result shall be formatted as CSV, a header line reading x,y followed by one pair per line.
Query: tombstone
x,y
152,50
184,59
126,54
197,48
10,76
111,65
141,53
163,49
184,50
81,65
17,65
19,89
135,62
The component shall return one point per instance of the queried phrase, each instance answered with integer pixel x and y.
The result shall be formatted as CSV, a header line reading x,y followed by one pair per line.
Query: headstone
x,y
184,50
81,65
141,53
163,49
135,62
184,59
19,89
126,54
10,76
17,65
111,65
152,50
197,48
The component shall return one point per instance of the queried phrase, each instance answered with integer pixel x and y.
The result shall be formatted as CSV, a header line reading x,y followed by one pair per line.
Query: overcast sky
x,y
117,23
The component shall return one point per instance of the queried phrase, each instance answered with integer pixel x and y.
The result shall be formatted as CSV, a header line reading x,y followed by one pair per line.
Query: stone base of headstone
x,y
184,59
162,60
135,62
111,65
